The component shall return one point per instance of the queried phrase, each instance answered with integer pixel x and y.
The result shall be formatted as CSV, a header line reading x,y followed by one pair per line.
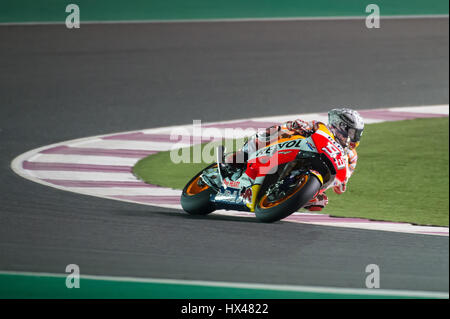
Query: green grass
x,y
402,174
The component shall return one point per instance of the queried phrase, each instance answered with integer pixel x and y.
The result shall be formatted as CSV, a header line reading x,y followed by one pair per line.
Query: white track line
x,y
130,191
83,159
307,117
436,109
81,176
127,144
395,227
228,20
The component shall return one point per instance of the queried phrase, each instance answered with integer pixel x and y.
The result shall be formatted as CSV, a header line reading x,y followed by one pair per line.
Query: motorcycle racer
x,y
347,127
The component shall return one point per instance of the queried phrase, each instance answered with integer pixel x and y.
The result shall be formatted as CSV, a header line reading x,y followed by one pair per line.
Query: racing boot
x,y
317,203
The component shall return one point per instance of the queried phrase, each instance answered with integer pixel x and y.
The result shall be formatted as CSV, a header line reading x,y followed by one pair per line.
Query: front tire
x,y
269,212
195,199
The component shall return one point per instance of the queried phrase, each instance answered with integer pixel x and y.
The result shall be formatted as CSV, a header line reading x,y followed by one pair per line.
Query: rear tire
x,y
198,203
290,205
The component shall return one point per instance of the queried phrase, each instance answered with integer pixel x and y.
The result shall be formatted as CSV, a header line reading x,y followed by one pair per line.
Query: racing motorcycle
x,y
279,176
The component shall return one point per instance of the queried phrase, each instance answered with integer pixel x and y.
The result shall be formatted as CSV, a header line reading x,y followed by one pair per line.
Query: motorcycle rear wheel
x,y
195,198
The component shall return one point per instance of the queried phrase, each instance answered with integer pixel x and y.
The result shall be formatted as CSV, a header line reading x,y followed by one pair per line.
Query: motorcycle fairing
x,y
326,144
241,194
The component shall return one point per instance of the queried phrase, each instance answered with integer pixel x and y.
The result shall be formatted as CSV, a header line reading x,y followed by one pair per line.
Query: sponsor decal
x,y
234,196
247,195
311,147
272,149
233,184
229,195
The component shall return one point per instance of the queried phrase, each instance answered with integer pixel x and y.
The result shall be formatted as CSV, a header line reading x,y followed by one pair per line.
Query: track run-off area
x,y
102,165
48,285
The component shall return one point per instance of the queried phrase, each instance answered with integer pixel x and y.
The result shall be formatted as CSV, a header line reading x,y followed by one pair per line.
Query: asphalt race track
x,y
58,84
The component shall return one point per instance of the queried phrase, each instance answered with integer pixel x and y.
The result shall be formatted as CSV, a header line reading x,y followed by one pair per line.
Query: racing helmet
x,y
347,126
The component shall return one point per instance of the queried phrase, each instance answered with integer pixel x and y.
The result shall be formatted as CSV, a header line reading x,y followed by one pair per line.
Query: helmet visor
x,y
354,134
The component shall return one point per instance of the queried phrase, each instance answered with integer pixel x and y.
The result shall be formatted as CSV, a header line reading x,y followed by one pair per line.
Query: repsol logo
x,y
267,151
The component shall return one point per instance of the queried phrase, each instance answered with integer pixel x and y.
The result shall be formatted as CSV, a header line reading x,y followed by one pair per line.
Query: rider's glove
x,y
302,127
341,188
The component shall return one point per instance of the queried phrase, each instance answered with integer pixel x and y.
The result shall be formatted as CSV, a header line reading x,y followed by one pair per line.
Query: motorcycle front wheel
x,y
269,211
